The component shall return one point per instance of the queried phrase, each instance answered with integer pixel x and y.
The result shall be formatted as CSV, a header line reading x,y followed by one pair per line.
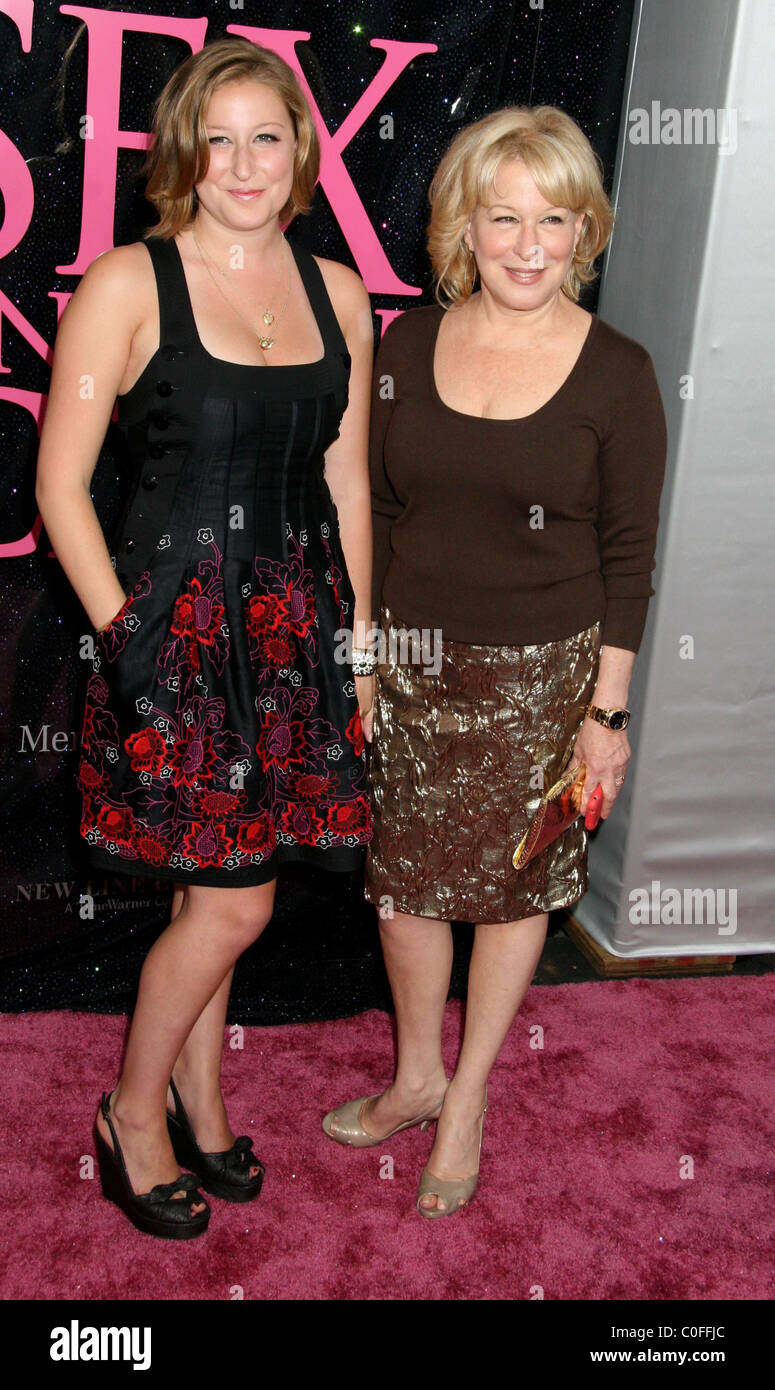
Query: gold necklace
x,y
264,342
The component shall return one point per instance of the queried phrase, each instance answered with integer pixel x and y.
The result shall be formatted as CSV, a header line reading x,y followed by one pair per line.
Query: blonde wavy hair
x,y
564,166
180,153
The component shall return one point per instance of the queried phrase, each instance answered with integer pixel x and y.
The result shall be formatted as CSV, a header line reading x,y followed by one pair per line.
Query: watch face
x,y
618,720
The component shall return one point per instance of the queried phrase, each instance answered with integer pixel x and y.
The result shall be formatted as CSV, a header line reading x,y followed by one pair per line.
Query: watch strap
x,y
603,716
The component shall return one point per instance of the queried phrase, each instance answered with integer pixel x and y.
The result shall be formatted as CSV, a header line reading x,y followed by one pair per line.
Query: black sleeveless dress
x,y
221,735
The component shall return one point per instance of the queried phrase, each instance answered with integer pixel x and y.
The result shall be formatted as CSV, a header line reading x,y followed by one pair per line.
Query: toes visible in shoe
x,y
431,1201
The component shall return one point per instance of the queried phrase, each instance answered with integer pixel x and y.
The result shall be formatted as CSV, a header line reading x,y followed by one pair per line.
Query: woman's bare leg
x,y
183,970
197,1074
418,959
197,1070
503,963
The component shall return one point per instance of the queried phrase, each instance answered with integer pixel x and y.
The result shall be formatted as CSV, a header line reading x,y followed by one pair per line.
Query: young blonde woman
x,y
517,457
221,734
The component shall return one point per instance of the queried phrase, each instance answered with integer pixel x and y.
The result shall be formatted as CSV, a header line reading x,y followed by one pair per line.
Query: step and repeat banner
x,y
389,84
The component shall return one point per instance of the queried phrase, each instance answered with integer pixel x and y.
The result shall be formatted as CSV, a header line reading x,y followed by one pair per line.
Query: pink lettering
x,y
103,90
376,270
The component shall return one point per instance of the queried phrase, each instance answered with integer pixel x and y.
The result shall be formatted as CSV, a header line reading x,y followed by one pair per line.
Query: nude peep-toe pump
x,y
455,1192
351,1131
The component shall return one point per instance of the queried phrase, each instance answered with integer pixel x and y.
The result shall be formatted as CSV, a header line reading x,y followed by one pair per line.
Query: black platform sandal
x,y
225,1174
157,1213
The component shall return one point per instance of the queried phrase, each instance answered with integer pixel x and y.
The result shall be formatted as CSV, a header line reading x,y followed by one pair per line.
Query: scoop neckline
x,y
518,419
252,366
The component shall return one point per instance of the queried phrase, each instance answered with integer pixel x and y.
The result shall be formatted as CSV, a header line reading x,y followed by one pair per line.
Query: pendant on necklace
x,y
268,319
265,343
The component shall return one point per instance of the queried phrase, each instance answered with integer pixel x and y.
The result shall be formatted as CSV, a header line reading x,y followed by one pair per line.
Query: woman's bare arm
x,y
91,354
347,459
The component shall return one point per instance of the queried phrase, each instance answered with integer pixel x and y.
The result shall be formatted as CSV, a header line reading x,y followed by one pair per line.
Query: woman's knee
x,y
400,926
243,913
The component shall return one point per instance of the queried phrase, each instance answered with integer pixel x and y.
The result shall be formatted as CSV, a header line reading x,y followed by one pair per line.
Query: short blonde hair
x,y
180,154
564,166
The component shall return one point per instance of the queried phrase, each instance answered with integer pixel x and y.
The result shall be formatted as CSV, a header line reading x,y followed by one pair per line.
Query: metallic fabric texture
x,y
465,740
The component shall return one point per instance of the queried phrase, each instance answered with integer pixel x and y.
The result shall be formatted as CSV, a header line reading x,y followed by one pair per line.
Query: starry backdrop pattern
x,y
320,957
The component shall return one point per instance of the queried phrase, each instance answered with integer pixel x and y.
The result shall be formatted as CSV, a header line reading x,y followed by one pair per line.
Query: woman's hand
x,y
606,753
364,686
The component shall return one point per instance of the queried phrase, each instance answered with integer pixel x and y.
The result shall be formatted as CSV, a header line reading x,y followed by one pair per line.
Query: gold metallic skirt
x,y
465,738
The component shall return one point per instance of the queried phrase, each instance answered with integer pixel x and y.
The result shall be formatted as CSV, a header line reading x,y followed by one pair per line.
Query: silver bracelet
x,y
364,663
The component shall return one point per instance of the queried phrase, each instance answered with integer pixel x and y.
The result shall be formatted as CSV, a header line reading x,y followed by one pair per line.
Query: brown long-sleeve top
x,y
507,532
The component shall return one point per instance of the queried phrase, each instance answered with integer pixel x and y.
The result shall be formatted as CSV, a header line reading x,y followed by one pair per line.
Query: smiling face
x,y
523,246
252,146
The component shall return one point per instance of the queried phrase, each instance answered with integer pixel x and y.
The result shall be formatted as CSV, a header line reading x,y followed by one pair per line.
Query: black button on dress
x,y
221,735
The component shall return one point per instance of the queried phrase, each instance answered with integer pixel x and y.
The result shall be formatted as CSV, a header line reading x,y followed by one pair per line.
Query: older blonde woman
x,y
221,736
517,457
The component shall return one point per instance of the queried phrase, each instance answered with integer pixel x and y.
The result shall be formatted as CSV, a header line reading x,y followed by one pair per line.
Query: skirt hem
x,y
335,860
472,917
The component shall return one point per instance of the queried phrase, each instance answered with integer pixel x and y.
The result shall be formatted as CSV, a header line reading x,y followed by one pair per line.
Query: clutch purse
x,y
558,809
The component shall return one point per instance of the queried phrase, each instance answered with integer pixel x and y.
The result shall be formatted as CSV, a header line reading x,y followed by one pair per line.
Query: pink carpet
x,y
581,1194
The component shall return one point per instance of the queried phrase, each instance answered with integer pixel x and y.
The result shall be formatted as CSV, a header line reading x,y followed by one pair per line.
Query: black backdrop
x,y
319,957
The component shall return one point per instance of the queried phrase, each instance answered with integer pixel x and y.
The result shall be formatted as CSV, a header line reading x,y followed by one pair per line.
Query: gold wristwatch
x,y
612,718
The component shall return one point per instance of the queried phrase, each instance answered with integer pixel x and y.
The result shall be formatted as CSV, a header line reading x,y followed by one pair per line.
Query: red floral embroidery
x,y
286,605
300,606
301,822
283,741
258,837
350,817
89,778
207,843
152,849
115,824
187,807
310,787
197,620
354,732
263,611
214,805
87,728
147,751
276,650
192,759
